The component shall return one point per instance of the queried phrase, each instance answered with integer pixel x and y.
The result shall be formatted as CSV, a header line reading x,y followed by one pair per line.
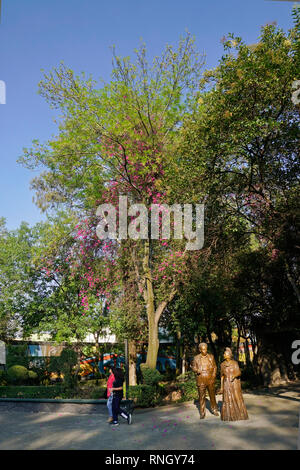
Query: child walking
x,y
117,393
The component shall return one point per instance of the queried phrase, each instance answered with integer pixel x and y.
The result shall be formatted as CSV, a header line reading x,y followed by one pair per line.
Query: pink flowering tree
x,y
61,265
120,140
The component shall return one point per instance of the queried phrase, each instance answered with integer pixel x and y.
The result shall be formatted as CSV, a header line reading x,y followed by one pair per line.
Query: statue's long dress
x,y
233,406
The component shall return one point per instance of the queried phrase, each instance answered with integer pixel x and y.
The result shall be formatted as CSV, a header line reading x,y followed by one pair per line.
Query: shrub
x,y
144,395
65,364
99,392
150,376
189,375
189,390
3,377
17,355
41,374
93,382
17,374
33,377
28,391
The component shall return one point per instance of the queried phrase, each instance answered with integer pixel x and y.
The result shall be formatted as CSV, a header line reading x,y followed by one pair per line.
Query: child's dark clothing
x,y
116,384
117,397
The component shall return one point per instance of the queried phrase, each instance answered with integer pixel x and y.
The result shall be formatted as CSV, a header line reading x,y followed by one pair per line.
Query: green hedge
x,y
145,395
27,391
99,392
51,391
3,377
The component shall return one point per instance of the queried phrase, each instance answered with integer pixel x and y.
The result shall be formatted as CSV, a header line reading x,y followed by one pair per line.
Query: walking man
x,y
205,368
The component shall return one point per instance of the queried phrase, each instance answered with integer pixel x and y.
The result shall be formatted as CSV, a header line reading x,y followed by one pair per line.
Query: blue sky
x,y
37,35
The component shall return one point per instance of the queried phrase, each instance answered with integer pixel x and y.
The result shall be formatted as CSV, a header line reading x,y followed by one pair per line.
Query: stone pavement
x,y
273,425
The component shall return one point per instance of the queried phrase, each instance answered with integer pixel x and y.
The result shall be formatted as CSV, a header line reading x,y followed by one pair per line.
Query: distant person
x,y
233,406
117,393
109,395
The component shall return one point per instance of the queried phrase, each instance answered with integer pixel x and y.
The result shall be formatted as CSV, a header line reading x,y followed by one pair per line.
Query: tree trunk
x,y
132,362
183,369
273,359
178,351
97,358
153,342
152,313
238,346
212,344
292,281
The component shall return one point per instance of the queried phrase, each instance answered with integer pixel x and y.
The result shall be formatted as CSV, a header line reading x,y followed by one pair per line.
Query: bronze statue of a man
x,y
205,368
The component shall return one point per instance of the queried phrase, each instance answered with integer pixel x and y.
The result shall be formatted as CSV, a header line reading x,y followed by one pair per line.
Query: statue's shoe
x,y
202,416
215,412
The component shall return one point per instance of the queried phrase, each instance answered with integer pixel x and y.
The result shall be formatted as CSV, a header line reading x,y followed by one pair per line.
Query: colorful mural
x,y
166,360
87,365
44,350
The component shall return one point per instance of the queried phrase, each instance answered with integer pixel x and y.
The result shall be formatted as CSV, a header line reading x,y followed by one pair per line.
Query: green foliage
x,y
52,391
185,377
17,355
17,374
3,377
20,284
28,391
119,138
144,395
65,364
99,392
42,374
237,146
33,377
189,390
243,145
150,376
169,374
94,382
59,309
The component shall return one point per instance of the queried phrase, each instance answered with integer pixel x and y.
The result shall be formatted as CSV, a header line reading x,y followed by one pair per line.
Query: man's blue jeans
x,y
109,405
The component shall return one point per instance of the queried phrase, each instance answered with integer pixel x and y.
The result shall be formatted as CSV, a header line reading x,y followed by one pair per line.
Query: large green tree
x,y
20,283
57,257
242,145
119,140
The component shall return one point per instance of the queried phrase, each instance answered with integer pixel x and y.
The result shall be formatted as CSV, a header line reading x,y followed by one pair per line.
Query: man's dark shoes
x,y
215,412
202,416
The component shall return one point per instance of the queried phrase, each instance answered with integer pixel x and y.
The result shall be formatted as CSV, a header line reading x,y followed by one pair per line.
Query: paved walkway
x,y
273,424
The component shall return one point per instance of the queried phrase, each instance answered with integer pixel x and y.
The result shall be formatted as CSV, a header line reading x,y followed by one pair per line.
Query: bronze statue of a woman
x,y
233,406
